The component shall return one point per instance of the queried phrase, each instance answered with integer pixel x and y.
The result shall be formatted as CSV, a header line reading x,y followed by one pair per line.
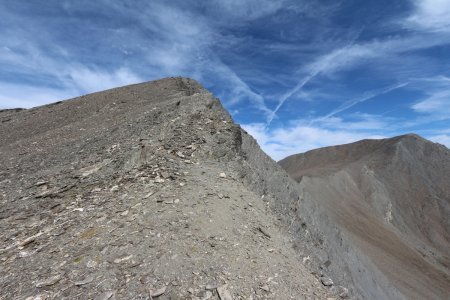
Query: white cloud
x,y
443,139
180,45
76,81
249,9
89,80
237,89
437,102
432,15
23,96
282,142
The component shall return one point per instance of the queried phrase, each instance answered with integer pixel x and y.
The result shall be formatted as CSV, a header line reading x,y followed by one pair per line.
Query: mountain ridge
x,y
142,192
395,190
152,189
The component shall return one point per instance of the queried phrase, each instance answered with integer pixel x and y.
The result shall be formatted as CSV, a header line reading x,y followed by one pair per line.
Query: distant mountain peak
x,y
392,195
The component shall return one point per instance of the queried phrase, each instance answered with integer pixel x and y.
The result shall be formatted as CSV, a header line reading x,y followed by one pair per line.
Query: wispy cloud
x,y
431,15
436,104
181,42
91,80
324,64
254,54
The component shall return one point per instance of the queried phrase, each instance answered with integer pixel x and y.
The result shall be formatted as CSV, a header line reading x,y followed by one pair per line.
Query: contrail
x,y
321,65
289,94
363,98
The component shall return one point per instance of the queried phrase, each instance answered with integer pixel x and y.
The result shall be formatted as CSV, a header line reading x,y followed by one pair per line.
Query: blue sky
x,y
297,75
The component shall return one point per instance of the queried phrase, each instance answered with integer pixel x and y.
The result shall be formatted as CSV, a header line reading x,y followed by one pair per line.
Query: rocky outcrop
x,y
145,191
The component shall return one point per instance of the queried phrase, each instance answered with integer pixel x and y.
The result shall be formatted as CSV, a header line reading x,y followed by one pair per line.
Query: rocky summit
x,y
150,191
144,192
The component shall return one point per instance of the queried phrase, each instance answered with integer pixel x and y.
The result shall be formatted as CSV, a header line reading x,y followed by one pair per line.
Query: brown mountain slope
x,y
142,191
392,199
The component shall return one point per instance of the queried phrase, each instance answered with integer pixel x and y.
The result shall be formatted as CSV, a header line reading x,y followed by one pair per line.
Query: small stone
x,y
37,297
168,202
30,239
50,281
180,154
24,254
158,292
87,280
210,287
223,175
182,184
123,214
148,195
343,292
176,201
224,293
91,264
122,259
265,287
165,174
207,295
39,183
104,296
159,180
326,281
114,189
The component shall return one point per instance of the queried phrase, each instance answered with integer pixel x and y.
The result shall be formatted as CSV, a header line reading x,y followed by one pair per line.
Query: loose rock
x,y
326,281
87,280
158,292
49,281
223,292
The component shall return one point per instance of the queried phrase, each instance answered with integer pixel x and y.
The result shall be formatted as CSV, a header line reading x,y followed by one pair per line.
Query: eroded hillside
x,y
392,199
146,192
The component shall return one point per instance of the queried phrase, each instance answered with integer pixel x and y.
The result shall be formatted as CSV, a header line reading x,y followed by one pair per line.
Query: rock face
x,y
150,191
390,200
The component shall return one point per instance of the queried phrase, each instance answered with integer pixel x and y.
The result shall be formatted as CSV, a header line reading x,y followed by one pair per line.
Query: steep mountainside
x,y
150,191
392,199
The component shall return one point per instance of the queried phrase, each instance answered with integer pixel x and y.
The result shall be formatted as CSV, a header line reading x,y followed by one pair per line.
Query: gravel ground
x,y
142,192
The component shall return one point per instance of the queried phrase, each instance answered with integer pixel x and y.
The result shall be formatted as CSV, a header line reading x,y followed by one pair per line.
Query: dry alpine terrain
x,y
391,197
149,191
